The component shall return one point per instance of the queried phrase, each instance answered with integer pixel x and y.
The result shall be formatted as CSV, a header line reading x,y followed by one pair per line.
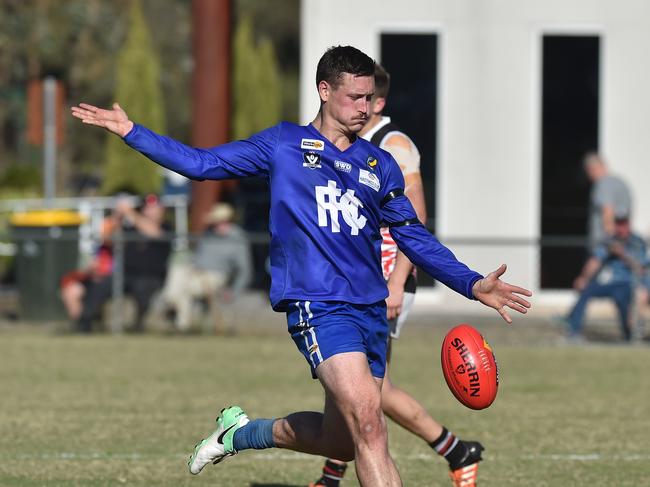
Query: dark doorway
x,y
570,104
412,61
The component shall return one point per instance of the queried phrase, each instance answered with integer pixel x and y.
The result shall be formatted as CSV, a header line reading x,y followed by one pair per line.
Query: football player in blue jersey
x,y
331,191
462,456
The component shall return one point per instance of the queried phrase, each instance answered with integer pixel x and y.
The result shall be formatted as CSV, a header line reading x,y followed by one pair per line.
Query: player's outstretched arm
x,y
497,294
250,157
115,120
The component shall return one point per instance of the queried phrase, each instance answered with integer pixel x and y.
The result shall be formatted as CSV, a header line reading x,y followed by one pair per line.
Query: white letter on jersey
x,y
329,192
348,205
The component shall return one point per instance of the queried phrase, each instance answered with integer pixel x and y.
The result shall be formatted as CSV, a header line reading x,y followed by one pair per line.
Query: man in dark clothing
x,y
146,251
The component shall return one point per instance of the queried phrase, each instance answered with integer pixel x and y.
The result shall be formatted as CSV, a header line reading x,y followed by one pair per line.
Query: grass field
x,y
112,411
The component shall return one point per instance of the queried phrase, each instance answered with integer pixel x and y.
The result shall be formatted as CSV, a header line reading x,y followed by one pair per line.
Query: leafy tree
x,y
257,98
80,41
138,90
73,40
278,21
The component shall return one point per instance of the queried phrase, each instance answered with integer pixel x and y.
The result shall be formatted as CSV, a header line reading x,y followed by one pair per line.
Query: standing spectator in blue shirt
x,y
610,197
611,272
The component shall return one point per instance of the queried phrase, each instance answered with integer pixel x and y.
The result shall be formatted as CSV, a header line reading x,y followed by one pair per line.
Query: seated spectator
x,y
75,283
611,272
220,267
146,250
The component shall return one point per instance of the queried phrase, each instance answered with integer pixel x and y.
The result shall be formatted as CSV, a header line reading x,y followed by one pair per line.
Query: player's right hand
x,y
115,120
394,300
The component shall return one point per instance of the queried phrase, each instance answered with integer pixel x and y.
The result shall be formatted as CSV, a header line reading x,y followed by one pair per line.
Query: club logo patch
x,y
311,160
369,179
312,144
342,166
371,161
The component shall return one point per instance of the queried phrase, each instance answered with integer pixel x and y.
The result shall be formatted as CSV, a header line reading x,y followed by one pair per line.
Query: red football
x,y
469,367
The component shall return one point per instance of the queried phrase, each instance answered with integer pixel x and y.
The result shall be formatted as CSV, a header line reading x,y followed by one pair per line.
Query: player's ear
x,y
379,105
324,90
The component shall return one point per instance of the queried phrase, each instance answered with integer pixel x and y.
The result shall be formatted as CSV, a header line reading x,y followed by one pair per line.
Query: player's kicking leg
x,y
345,346
352,426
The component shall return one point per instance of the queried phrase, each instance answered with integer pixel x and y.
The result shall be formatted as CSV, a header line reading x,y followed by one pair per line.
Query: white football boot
x,y
219,445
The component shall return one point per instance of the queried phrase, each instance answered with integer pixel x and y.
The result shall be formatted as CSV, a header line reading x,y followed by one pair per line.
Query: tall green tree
x,y
257,91
139,92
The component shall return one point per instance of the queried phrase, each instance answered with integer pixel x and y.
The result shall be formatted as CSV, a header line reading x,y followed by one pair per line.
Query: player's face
x,y
349,102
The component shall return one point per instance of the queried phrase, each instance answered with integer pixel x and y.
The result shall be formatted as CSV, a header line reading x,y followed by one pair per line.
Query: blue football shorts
x,y
321,329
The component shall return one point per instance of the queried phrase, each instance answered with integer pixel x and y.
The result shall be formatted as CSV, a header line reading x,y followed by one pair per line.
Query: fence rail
x,y
94,211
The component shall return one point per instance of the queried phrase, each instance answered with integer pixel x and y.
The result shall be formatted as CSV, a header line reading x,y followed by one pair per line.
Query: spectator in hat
x,y
220,268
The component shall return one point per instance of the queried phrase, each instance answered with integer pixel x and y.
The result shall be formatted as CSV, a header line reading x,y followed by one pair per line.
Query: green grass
x,y
111,411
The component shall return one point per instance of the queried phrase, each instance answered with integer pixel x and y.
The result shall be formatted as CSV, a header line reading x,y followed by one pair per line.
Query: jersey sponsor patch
x,y
311,160
369,179
342,166
312,144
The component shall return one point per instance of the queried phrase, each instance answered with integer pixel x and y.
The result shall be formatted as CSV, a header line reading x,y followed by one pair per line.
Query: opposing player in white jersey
x,y
399,272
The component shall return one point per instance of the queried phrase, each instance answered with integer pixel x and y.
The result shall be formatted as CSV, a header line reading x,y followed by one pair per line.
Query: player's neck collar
x,y
316,131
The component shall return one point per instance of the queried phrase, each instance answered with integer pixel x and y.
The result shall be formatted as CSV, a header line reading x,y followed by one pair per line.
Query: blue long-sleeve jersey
x,y
327,207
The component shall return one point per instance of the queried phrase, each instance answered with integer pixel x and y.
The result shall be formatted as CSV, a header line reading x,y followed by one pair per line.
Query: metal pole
x,y
180,217
86,243
49,139
117,316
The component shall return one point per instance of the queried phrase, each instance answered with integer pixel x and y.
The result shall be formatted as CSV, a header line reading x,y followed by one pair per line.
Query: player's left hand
x,y
394,300
497,294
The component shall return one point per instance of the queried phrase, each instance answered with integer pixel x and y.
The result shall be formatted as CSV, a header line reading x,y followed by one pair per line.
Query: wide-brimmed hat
x,y
221,212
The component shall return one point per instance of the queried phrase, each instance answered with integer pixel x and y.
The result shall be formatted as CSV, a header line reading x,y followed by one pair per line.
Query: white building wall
x,y
489,108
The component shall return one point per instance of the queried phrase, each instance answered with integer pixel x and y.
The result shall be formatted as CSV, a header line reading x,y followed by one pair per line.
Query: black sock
x,y
450,447
332,473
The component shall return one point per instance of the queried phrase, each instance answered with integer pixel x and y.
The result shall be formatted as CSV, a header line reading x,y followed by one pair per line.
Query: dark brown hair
x,y
343,59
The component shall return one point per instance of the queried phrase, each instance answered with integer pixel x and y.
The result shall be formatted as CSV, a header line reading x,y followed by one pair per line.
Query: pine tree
x,y
138,91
